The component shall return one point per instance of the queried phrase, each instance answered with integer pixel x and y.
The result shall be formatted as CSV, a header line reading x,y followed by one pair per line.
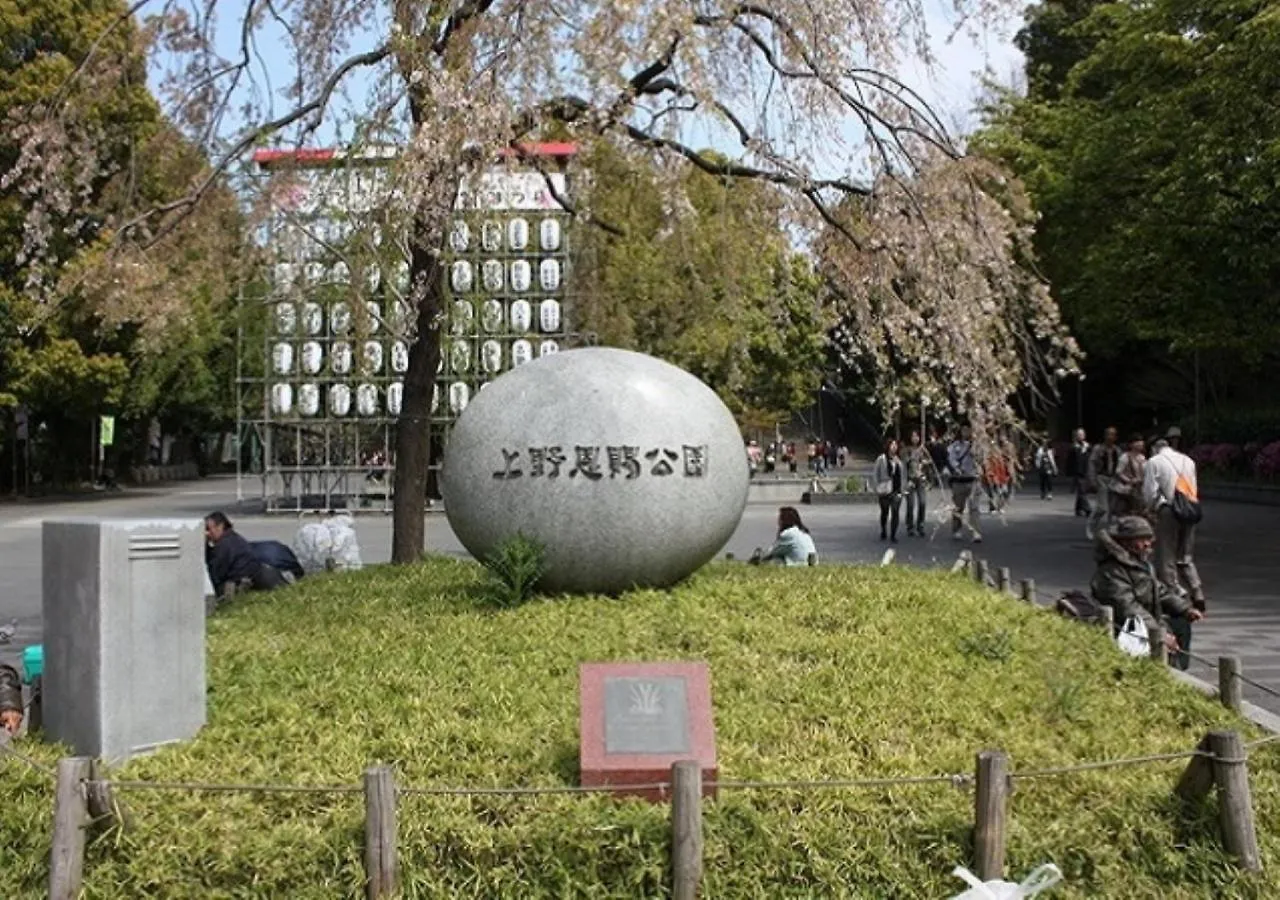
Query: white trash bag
x,y
1041,879
1133,637
330,544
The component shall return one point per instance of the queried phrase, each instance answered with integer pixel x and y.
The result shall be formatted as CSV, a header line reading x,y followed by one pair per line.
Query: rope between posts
x,y
660,786
5,741
205,787
956,780
1112,764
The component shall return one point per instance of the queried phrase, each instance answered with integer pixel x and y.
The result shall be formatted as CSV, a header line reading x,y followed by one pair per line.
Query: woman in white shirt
x,y
889,483
794,545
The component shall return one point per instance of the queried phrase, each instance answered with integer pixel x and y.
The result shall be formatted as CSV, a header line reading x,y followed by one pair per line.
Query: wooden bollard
x,y
1004,579
990,808
1155,643
1197,778
1029,590
982,572
686,829
1109,620
381,860
105,809
70,817
1235,804
1230,688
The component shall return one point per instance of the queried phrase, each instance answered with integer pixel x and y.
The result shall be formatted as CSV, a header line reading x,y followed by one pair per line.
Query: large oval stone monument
x,y
628,470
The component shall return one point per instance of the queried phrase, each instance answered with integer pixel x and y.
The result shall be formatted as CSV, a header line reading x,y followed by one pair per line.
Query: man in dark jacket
x,y
231,561
10,699
1125,581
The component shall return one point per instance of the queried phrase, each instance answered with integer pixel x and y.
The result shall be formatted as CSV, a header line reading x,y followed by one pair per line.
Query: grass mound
x,y
825,673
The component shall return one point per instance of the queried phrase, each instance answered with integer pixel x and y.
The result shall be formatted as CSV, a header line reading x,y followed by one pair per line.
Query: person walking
x,y
1047,467
1126,487
1172,496
1104,459
1078,469
919,475
890,481
963,473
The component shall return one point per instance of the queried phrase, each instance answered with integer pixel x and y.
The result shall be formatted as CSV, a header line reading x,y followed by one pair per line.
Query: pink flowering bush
x,y
1266,463
1222,457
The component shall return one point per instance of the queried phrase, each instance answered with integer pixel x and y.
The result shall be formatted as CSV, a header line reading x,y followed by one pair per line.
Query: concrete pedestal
x,y
124,632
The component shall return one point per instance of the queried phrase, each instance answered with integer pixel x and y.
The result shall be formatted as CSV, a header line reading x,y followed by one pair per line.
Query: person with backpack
x,y
1047,466
963,474
1125,581
1171,495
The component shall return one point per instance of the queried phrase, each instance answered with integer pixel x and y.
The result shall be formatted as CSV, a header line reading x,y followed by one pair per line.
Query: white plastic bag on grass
x,y
330,544
1041,879
1133,637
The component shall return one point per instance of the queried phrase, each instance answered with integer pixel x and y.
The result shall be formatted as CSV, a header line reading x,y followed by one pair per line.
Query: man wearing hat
x,y
1125,581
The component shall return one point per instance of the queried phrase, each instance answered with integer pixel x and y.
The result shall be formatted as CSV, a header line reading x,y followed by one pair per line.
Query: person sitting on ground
x,y
279,556
794,545
1125,581
10,699
231,561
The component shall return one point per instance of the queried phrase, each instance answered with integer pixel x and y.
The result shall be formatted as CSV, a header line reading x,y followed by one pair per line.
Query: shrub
x,y
515,568
1266,463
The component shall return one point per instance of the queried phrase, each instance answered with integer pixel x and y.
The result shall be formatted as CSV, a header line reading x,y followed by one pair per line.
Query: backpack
x,y
1079,606
1185,505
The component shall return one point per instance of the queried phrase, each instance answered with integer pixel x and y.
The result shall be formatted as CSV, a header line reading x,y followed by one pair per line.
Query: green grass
x,y
823,673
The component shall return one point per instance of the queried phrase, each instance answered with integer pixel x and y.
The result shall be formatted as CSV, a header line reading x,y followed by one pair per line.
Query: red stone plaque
x,y
638,719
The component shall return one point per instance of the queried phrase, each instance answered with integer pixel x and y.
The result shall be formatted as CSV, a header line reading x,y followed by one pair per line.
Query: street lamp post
x,y
1080,401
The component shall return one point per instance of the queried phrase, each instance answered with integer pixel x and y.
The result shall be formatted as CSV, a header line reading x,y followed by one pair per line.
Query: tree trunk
x,y
413,429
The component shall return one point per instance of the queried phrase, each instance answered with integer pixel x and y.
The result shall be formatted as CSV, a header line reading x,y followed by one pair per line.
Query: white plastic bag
x,y
1133,637
330,544
1041,879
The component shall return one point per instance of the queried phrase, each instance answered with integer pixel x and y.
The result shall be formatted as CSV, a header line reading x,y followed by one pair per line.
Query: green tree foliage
x,y
704,276
142,335
1149,143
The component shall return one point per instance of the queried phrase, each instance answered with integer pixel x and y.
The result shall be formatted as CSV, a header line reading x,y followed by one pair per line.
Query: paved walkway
x,y
1238,554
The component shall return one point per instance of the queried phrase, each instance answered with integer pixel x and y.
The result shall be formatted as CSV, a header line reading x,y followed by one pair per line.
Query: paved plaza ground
x,y
1238,552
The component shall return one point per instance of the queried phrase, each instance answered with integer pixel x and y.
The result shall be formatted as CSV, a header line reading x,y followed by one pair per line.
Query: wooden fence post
x,y
381,862
70,816
990,808
1029,590
1155,643
105,810
981,572
1197,778
686,829
1004,579
1109,620
1230,688
1235,805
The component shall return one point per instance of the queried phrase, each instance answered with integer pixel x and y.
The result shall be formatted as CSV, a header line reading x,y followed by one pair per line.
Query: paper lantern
x,y
282,358
518,234
491,275
312,318
547,348
463,317
281,399
340,318
339,399
491,236
341,273
367,400
312,357
549,315
309,399
459,396
459,236
395,398
375,316
521,276
549,274
491,315
286,318
459,276
340,358
399,357
491,356
549,234
460,356
521,352
521,316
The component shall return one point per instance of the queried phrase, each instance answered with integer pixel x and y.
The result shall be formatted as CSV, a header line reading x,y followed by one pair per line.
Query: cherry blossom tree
x,y
801,94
